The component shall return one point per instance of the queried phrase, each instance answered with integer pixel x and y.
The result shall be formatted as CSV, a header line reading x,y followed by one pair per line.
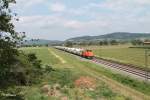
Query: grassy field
x,y
135,56
71,68
43,54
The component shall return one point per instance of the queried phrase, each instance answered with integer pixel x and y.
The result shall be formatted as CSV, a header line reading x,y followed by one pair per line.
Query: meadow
x,y
135,56
68,69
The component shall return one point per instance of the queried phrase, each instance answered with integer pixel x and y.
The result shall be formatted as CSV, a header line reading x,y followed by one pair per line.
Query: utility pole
x,y
147,54
100,50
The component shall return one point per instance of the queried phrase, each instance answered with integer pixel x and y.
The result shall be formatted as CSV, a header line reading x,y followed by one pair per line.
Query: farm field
x,y
68,69
135,56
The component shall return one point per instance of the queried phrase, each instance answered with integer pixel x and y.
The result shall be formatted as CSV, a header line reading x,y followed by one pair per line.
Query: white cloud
x,y
90,19
26,4
125,5
57,7
54,26
34,2
73,24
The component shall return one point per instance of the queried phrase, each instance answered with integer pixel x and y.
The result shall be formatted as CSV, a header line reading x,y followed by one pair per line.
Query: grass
x,y
65,75
140,86
43,54
135,56
122,52
135,84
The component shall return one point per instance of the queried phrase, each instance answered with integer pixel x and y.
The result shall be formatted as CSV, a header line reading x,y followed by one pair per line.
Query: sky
x,y
63,19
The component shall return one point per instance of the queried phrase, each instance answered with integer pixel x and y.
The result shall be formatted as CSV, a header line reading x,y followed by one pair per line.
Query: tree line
x,y
106,42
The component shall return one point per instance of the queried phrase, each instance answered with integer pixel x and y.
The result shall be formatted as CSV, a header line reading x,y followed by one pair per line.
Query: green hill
x,y
41,42
113,36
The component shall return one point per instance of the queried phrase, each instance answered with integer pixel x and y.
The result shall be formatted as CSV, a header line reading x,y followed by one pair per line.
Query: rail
x,y
129,68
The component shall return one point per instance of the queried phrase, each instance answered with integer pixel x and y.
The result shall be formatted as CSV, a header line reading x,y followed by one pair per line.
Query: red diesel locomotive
x,y
77,51
87,54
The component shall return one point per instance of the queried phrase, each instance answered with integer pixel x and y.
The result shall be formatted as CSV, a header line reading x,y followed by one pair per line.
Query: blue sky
x,y
62,19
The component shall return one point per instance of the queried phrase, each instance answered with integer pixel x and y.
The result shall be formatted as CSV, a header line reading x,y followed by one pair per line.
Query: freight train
x,y
77,51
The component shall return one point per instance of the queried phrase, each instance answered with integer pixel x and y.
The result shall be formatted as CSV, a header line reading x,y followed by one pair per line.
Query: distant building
x,y
146,43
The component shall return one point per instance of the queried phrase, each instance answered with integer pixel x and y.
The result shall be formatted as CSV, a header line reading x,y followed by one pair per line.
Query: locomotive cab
x,y
88,54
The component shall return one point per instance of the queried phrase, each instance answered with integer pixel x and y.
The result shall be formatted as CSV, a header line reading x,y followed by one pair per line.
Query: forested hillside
x,y
113,36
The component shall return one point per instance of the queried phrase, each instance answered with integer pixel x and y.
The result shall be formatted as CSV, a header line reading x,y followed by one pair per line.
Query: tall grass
x,y
141,86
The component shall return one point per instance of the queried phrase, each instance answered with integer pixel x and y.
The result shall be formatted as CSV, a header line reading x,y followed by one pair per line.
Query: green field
x,y
69,68
135,56
43,54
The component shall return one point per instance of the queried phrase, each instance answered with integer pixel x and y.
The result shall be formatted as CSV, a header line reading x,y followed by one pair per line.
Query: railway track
x,y
124,67
130,69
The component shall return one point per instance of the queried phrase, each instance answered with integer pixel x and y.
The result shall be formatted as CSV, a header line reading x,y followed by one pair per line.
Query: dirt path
x,y
60,58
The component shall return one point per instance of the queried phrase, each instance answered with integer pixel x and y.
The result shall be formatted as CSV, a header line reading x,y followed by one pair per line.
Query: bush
x,y
102,91
25,71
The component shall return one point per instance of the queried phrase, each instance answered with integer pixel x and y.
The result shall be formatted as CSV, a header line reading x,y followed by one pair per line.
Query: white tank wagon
x,y
71,50
77,51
